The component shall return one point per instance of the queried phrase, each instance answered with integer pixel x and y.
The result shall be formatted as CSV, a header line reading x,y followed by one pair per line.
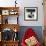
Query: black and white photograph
x,y
30,13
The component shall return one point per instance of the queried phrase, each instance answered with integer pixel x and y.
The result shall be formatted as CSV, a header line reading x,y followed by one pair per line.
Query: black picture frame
x,y
31,13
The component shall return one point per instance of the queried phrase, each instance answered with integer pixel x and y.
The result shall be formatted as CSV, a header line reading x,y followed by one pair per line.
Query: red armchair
x,y
29,36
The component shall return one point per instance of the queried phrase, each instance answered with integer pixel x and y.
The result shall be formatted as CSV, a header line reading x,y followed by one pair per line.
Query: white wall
x,y
26,3
32,3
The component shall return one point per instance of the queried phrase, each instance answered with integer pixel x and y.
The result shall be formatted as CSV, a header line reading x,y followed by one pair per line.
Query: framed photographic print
x,y
13,12
31,13
5,12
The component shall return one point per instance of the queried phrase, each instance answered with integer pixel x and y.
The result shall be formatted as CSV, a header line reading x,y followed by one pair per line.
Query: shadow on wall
x,y
37,29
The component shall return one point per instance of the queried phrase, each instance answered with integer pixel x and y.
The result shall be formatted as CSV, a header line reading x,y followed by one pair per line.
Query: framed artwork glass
x,y
30,13
5,12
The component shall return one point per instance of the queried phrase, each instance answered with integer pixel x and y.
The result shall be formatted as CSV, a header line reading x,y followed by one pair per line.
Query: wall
x,y
26,3
34,3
